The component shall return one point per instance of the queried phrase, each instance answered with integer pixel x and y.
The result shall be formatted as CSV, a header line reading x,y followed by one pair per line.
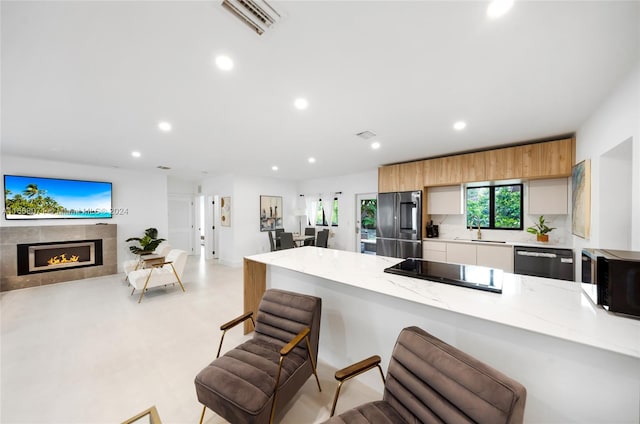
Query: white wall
x,y
141,196
343,237
180,186
616,121
244,237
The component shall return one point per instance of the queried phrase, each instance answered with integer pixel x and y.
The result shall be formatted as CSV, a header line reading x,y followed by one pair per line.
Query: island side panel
x,y
255,277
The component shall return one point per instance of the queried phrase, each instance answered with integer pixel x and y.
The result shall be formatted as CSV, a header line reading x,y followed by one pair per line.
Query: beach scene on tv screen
x,y
50,198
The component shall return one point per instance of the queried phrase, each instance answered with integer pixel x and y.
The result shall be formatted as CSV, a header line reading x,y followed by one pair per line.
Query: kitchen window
x,y
321,219
495,207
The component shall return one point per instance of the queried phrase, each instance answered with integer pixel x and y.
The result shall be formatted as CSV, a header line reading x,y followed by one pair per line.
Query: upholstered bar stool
x,y
254,381
429,381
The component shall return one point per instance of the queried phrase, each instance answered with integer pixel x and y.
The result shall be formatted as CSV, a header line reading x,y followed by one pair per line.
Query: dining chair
x,y
286,241
271,241
279,232
323,238
310,231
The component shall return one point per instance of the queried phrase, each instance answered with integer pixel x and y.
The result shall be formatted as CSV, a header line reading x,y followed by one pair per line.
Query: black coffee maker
x,y
432,230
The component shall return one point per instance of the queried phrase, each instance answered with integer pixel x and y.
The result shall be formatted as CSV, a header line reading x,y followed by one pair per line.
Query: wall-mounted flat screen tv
x,y
53,198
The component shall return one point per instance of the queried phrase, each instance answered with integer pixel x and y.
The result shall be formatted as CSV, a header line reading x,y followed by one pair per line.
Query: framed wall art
x,y
581,199
225,211
270,213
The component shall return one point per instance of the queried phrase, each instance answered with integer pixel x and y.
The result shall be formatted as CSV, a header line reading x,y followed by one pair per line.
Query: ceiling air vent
x,y
163,167
256,14
366,134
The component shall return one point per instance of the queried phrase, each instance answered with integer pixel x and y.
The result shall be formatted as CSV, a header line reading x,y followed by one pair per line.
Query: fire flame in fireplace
x,y
63,259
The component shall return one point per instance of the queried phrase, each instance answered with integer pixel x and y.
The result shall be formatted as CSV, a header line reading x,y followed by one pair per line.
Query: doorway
x,y
616,196
181,216
366,221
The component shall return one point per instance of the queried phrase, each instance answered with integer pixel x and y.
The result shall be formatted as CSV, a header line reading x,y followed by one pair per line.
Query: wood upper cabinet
x,y
503,164
410,176
442,171
388,178
400,177
473,167
548,160
551,159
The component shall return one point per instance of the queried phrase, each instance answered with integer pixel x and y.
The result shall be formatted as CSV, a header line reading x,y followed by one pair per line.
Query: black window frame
x,y
492,206
324,218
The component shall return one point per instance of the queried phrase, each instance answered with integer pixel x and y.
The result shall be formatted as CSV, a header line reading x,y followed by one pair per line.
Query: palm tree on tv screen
x,y
34,202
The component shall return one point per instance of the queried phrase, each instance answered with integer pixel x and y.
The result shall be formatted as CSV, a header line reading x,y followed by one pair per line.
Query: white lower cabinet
x,y
498,256
435,251
461,253
495,256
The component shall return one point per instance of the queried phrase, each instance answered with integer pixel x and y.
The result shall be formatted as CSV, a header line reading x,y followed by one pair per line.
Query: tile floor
x,y
86,352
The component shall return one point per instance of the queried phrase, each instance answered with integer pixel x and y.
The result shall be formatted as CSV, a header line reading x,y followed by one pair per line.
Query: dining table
x,y
299,239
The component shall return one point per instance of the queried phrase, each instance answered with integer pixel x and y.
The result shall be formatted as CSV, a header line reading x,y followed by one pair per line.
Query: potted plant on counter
x,y
541,230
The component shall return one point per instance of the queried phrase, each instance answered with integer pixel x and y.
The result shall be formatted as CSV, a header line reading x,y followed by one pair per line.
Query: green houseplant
x,y
146,244
540,229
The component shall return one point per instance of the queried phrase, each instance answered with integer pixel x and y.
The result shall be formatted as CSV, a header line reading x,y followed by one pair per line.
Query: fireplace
x,y
53,256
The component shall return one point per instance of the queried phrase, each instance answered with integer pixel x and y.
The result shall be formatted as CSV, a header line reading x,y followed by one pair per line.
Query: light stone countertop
x,y
551,307
506,243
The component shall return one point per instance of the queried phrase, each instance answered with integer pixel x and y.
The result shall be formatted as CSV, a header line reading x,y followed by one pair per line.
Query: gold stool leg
x,y
204,408
176,274
145,285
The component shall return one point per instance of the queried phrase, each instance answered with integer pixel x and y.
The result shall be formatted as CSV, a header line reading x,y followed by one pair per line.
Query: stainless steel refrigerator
x,y
399,230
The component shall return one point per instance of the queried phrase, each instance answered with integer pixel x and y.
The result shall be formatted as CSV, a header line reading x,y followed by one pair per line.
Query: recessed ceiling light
x,y
312,160
164,126
498,8
375,145
301,104
136,154
224,63
274,168
460,125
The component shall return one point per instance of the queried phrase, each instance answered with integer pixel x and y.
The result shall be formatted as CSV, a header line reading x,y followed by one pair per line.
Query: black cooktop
x,y
470,276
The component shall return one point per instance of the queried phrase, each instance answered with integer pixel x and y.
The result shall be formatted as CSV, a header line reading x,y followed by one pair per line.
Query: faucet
x,y
479,232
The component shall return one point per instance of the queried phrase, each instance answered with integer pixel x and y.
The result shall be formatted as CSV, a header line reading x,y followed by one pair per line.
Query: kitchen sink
x,y
489,241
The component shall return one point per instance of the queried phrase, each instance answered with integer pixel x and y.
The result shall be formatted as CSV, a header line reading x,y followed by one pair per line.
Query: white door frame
x,y
211,222
185,227
359,198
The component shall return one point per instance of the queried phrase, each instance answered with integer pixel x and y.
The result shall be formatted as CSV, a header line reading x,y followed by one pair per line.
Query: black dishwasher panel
x,y
544,262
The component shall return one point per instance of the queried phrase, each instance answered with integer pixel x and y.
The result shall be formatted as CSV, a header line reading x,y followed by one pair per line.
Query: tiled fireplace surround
x,y
10,237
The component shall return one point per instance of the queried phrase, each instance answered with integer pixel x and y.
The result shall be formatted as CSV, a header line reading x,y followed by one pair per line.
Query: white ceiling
x,y
88,81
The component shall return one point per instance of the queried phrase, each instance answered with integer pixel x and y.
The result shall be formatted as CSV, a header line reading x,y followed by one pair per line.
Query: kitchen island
x,y
579,363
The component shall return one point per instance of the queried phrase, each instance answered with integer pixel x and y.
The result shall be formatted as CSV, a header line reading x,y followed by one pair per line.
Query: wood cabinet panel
x,y
255,284
551,159
472,165
503,164
430,171
388,178
410,176
548,160
442,171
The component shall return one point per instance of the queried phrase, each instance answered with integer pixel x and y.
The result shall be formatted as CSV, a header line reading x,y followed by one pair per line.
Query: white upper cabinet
x,y
446,200
549,196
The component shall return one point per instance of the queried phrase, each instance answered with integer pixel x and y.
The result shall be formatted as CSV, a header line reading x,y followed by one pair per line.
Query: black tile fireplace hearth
x,y
53,256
